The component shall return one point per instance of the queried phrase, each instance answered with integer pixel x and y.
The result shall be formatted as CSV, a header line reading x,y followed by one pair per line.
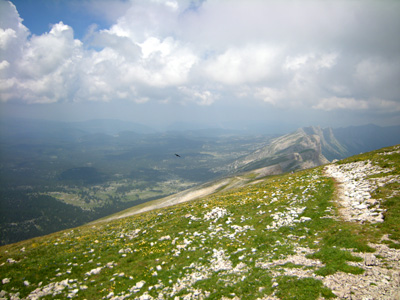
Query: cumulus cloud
x,y
324,55
201,97
251,63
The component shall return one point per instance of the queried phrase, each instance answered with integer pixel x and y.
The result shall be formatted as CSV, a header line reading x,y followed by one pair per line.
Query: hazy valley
x,y
60,175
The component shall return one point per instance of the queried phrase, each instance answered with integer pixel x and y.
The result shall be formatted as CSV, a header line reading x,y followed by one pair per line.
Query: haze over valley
x,y
57,175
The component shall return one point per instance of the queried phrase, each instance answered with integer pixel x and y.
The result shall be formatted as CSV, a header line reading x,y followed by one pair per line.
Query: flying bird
x,y
177,155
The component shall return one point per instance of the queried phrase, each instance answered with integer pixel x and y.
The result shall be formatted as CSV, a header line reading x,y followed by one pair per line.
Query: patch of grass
x,y
345,236
293,288
391,225
251,286
335,260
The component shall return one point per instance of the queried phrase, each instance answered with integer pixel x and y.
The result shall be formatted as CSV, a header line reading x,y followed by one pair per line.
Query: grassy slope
x,y
185,249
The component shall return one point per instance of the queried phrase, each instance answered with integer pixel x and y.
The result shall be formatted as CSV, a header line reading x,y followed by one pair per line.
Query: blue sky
x,y
283,64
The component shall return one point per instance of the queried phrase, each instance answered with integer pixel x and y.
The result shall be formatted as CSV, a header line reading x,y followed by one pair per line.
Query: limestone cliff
x,y
331,148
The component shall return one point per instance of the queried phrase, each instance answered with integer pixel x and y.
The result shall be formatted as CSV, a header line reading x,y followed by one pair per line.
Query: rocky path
x,y
355,188
381,279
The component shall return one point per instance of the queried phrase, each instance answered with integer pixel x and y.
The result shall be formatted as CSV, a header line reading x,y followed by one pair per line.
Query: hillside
x,y
327,232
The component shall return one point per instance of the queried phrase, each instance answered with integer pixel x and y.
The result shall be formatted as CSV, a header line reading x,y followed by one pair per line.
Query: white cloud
x,y
201,97
311,61
247,64
164,63
6,37
45,68
295,63
341,103
269,95
44,54
4,65
12,32
326,55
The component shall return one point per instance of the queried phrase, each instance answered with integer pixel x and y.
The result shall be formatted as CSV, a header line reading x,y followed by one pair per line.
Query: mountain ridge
x,y
294,151
313,146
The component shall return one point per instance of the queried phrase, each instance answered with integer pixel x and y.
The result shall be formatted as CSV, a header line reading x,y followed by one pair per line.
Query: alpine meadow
x,y
329,232
200,149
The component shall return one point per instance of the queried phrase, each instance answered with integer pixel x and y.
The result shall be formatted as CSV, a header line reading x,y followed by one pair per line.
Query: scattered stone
x,y
164,238
215,214
220,261
370,260
124,251
287,218
94,271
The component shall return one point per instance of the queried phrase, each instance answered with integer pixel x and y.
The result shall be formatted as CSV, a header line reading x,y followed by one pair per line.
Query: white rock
x,y
163,238
94,271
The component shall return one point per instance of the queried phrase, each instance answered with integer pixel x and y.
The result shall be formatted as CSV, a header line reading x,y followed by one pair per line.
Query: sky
x,y
214,63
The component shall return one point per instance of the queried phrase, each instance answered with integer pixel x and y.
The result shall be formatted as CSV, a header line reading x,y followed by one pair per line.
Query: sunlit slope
x,y
293,236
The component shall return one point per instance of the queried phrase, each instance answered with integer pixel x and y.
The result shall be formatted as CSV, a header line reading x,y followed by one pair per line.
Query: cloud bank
x,y
317,55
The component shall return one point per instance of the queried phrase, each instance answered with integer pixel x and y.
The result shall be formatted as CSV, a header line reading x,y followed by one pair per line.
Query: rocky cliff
x,y
331,148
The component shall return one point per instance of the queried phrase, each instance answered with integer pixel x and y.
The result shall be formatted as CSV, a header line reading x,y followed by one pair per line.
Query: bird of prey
x,y
177,155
